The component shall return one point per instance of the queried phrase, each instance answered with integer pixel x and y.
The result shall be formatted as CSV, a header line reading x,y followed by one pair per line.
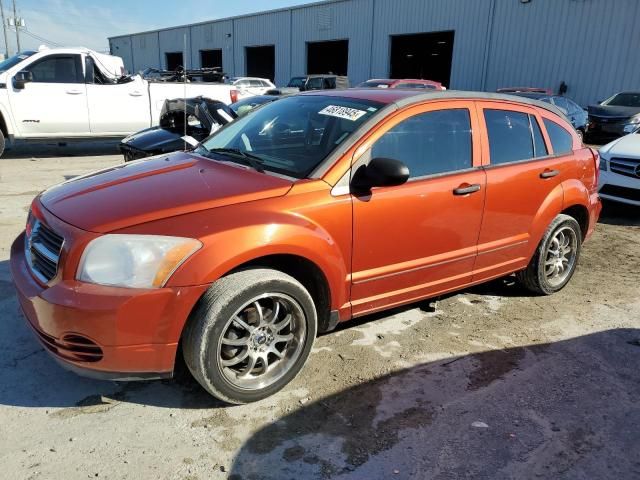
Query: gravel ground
x,y
493,384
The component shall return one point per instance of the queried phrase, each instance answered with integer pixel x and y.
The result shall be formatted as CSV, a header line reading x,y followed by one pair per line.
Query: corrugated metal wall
x,y
592,45
467,18
351,21
210,36
260,30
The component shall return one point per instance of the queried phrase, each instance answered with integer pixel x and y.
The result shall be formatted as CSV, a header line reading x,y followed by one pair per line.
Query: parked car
x,y
183,123
620,169
244,106
575,113
251,86
270,231
407,83
614,117
76,93
318,82
546,91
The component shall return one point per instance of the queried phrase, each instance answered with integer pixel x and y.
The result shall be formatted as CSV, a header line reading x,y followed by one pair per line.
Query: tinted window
x,y
538,140
411,85
509,136
58,69
624,100
429,143
561,103
561,140
292,135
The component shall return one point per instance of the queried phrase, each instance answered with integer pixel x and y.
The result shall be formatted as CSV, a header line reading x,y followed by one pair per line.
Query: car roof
x,y
402,98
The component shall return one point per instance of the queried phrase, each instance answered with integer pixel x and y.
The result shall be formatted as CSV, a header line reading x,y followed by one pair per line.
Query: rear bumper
x,y
104,332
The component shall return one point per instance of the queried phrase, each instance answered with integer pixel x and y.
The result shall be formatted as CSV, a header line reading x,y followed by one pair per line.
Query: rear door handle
x,y
549,173
74,92
466,189
135,93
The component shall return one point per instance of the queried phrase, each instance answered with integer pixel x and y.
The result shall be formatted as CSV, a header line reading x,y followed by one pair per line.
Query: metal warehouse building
x,y
591,45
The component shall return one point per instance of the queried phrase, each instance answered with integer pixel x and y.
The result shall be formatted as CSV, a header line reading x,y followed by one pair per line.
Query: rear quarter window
x,y
561,139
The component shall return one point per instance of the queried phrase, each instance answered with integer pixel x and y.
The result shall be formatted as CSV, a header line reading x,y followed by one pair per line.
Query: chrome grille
x,y
625,166
43,247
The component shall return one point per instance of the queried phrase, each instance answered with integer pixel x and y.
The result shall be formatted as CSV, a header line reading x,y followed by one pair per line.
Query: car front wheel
x,y
555,259
250,335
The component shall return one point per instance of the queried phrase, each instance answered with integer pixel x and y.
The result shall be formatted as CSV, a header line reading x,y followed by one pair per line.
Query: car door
x,y
115,108
54,103
419,238
522,174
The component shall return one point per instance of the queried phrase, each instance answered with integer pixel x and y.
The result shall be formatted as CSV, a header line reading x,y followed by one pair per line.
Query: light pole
x,y
17,22
4,30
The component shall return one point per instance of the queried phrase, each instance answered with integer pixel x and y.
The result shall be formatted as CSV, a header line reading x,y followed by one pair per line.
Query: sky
x,y
89,23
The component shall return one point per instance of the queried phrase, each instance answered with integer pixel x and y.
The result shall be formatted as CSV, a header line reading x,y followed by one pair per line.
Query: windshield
x,y
241,107
293,135
624,100
13,61
297,82
375,84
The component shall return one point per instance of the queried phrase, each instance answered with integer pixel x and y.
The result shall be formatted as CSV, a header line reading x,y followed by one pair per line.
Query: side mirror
x,y
21,79
380,172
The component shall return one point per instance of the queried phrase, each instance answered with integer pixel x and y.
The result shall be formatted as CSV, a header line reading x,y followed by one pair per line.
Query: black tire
x,y
3,143
210,320
534,277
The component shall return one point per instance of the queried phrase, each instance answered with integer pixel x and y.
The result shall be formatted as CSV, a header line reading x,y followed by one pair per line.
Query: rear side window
x,y
510,137
429,143
561,139
540,148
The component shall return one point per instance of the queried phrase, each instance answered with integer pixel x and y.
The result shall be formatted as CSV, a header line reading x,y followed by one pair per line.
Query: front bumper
x,y
619,188
104,332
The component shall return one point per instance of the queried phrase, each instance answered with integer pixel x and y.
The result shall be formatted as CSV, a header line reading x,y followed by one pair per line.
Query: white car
x,y
251,86
76,93
620,170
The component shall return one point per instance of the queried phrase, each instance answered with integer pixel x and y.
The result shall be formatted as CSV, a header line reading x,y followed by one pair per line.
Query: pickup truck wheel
x,y
556,257
2,143
250,335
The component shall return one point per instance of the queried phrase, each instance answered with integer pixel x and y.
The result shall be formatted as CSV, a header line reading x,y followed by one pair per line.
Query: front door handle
x,y
549,173
74,92
135,93
466,189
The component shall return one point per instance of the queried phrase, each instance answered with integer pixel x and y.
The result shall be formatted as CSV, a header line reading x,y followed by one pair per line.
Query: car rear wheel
x,y
250,335
555,259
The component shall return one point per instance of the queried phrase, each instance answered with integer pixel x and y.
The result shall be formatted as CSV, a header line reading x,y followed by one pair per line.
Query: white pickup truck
x,y
76,93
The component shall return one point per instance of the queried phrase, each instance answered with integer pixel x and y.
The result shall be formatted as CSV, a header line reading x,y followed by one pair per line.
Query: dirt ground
x,y
493,384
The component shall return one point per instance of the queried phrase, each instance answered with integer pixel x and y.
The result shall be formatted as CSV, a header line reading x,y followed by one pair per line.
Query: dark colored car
x,y
319,82
244,106
193,117
574,112
615,117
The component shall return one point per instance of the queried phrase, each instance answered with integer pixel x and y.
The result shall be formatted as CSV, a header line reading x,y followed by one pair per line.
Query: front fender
x,y
257,233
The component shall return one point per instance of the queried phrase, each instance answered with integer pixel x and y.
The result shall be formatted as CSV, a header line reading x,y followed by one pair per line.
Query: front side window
x,y
510,138
57,69
291,136
561,139
429,143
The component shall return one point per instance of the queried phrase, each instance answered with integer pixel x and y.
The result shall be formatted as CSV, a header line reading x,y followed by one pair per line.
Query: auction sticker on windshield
x,y
346,113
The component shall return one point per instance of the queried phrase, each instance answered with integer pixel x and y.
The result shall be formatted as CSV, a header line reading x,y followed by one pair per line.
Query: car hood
x,y
611,111
627,146
156,188
155,140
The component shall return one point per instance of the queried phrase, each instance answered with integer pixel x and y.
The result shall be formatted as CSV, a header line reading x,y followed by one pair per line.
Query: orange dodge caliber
x,y
309,211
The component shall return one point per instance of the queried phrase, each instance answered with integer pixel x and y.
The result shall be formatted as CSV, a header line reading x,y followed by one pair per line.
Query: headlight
x,y
632,125
134,261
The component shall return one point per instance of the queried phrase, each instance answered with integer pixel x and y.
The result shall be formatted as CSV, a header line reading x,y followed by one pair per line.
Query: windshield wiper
x,y
254,161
